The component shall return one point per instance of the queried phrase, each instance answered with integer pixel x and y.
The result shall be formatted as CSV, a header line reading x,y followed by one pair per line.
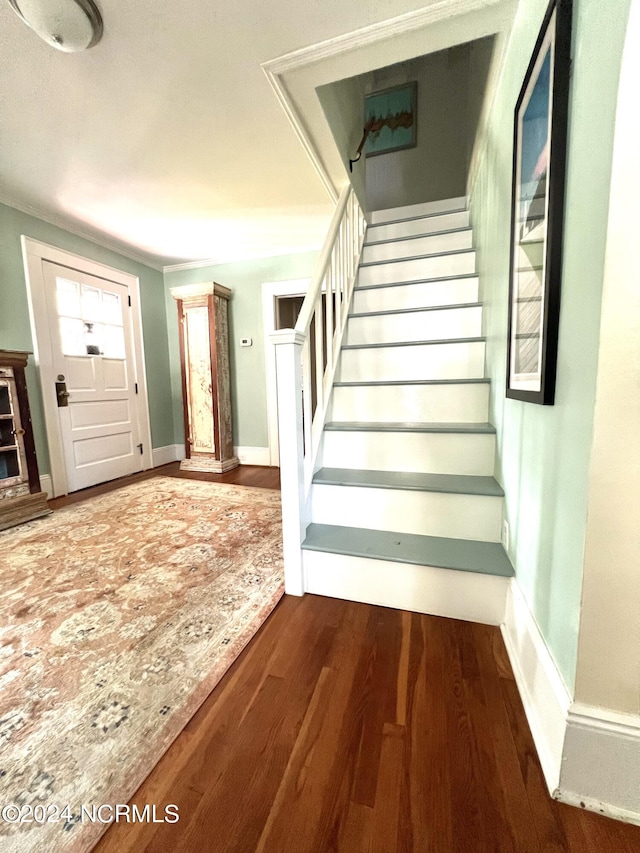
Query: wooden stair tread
x,y
452,307
432,280
385,426
414,481
465,555
406,237
430,342
375,382
426,256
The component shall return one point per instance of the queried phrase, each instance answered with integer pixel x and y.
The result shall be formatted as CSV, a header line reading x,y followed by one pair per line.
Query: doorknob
x,y
62,394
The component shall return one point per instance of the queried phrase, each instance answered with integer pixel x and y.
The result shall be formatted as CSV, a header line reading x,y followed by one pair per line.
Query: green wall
x,y
543,452
249,389
15,329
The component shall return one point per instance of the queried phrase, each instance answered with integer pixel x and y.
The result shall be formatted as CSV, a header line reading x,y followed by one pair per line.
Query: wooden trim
x,y
27,438
14,358
17,360
215,390
183,374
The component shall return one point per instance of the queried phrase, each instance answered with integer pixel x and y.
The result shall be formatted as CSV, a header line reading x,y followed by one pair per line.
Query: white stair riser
x,y
430,361
411,403
418,326
418,268
408,511
427,245
421,589
428,208
423,295
415,227
431,453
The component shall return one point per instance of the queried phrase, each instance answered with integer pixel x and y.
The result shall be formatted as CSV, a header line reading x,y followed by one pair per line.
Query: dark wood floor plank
x,y
509,779
425,818
544,811
386,812
344,728
316,773
378,699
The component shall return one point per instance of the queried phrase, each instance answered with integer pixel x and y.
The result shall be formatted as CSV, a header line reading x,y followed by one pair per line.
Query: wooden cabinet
x,y
21,498
206,381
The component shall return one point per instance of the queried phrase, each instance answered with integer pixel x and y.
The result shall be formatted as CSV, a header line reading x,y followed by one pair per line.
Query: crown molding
x,y
213,262
409,21
86,234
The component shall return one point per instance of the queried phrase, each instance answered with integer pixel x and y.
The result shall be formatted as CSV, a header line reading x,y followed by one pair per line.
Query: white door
x,y
94,366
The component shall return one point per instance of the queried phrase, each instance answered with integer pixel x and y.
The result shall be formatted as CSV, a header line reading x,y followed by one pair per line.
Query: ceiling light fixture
x,y
67,25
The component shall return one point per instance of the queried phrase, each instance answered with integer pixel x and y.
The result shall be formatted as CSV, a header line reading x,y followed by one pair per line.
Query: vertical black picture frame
x,y
537,211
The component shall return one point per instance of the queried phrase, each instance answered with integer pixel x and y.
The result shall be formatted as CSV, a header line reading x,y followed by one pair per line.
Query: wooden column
x,y
206,381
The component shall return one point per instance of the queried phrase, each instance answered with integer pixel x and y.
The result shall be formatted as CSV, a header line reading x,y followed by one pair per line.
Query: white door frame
x,y
34,254
271,289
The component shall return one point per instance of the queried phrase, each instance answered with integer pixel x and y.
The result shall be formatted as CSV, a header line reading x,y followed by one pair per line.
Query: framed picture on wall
x,y
390,118
537,212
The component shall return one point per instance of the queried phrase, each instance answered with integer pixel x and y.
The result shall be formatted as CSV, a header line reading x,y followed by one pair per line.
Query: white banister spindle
x,y
318,329
300,424
329,318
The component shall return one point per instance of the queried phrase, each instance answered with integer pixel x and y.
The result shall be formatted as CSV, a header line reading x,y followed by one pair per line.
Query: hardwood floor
x,y
244,475
346,727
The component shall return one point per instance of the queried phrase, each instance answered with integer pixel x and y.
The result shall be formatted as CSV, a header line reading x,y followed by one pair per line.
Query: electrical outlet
x,y
505,534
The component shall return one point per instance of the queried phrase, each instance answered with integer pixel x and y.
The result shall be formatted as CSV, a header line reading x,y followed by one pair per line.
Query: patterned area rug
x,y
117,618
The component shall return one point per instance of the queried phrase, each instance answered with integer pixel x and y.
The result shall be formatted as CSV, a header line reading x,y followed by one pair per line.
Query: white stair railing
x,y
306,361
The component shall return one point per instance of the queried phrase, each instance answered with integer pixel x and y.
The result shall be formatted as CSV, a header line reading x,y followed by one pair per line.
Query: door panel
x,y
92,348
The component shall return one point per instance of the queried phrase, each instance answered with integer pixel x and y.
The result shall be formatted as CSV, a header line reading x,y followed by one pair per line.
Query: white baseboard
x,y
253,455
46,484
601,762
543,692
169,453
175,453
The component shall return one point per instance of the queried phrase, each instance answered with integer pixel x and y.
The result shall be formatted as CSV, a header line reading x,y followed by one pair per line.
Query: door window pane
x,y
68,298
91,304
113,341
72,336
111,308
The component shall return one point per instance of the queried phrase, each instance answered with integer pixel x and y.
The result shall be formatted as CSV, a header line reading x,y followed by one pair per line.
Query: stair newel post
x,y
288,345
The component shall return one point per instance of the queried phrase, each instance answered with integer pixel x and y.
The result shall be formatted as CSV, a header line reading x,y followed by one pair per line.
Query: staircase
x,y
405,511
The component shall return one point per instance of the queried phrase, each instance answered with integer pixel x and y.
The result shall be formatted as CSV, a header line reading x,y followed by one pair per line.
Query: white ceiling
x,y
166,138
